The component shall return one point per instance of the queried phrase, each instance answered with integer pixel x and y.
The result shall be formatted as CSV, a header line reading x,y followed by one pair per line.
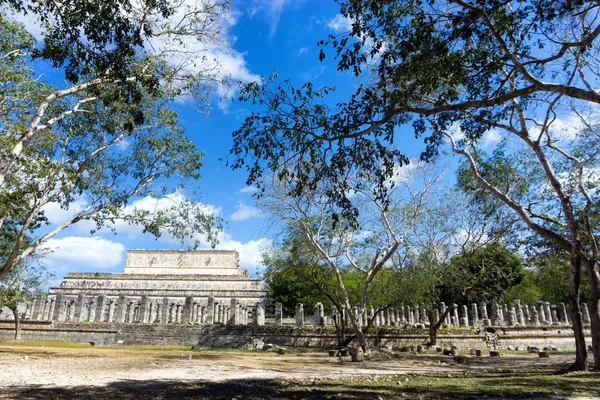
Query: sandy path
x,y
69,367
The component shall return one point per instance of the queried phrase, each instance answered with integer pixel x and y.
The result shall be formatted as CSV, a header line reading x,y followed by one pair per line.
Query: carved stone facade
x,y
158,286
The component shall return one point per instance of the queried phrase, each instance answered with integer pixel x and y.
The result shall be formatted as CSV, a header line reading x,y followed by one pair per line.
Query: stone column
x,y
58,307
187,311
526,314
278,314
562,313
442,311
416,315
474,315
210,311
535,317
100,308
318,314
234,313
585,313
554,314
455,314
540,311
519,311
219,313
464,320
159,312
203,314
151,313
37,306
51,309
299,316
121,309
144,310
512,316
259,315
111,310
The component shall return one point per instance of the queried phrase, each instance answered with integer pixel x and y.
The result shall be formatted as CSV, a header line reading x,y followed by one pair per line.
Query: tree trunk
x,y
580,363
433,330
594,278
434,327
17,324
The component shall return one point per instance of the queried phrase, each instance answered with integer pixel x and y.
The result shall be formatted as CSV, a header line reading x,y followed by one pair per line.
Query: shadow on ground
x,y
490,386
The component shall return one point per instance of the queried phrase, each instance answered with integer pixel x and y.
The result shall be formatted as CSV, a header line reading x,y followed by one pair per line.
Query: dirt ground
x,y
86,372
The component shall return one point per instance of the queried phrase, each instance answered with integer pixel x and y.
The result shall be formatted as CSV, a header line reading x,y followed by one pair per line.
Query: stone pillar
x,y
535,317
540,311
259,315
548,313
278,314
585,313
179,313
526,314
51,309
100,308
519,311
436,316
111,310
512,316
91,313
442,311
203,314
417,315
144,310
187,311
121,309
235,317
485,320
58,307
130,312
299,316
554,314
455,314
159,312
562,313
219,311
37,307
464,319
474,315
210,311
316,316
151,313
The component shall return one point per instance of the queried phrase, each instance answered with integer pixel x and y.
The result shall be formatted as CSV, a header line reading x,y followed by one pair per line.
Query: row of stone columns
x,y
513,314
145,310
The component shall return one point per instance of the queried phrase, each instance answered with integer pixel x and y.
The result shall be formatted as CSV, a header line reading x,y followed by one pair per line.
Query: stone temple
x,y
157,286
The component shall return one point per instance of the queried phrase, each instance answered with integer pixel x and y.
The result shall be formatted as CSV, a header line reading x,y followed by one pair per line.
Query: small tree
x,y
20,286
374,238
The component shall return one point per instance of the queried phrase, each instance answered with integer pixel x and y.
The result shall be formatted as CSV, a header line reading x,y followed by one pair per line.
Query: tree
x,y
457,255
113,53
377,241
93,162
20,286
477,66
296,273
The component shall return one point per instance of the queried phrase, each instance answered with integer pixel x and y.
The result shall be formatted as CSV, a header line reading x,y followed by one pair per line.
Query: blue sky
x,y
265,36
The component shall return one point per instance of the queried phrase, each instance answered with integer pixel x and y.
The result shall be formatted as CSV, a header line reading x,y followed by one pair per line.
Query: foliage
x,y
93,161
482,275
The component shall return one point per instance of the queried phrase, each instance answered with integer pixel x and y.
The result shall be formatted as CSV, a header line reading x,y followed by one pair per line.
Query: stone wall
x,y
243,336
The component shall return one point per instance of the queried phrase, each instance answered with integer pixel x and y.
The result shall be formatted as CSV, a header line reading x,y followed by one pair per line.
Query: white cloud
x,y
244,212
303,50
93,252
340,24
490,137
271,8
212,57
250,252
248,189
57,215
148,203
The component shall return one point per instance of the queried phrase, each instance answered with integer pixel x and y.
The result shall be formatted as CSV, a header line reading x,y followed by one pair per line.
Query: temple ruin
x,y
157,286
